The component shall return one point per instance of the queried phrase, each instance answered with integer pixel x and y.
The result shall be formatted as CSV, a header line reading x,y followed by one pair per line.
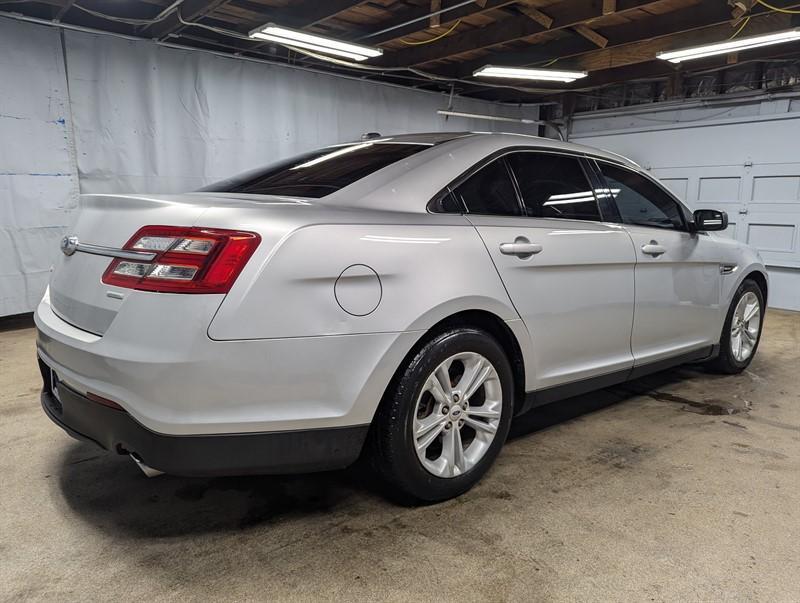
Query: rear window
x,y
317,173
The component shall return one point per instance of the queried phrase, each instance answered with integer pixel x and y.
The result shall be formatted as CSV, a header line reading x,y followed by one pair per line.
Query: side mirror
x,y
710,219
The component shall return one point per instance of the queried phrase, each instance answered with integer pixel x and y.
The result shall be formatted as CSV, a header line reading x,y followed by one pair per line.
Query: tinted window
x,y
553,186
317,173
641,201
489,191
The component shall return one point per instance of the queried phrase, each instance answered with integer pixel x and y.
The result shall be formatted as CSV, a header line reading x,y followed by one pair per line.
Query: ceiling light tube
x,y
708,50
520,73
301,39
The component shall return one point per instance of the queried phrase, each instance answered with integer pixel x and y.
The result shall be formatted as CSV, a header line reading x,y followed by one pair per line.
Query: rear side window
x,y
317,173
553,186
489,191
641,201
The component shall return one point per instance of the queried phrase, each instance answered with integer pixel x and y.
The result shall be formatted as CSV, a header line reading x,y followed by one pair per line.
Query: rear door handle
x,y
654,249
521,247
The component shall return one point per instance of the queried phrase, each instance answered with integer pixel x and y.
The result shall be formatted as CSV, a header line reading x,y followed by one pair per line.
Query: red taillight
x,y
188,260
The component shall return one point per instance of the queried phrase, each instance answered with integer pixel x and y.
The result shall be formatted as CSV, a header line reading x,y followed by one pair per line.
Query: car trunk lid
x,y
77,292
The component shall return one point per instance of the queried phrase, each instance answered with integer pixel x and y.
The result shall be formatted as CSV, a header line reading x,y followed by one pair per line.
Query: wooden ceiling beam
x,y
541,18
566,14
645,50
656,69
415,19
591,35
690,18
436,16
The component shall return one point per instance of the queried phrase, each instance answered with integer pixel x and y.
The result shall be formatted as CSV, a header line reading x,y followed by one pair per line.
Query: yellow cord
x,y
550,62
779,10
741,27
439,37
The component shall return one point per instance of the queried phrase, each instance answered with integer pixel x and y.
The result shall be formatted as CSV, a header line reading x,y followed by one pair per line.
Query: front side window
x,y
553,186
318,173
489,191
641,201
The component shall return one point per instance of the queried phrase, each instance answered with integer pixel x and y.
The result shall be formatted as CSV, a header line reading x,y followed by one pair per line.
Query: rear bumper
x,y
171,378
296,451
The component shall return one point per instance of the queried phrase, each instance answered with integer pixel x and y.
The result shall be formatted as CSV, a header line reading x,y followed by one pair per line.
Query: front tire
x,y
742,330
445,417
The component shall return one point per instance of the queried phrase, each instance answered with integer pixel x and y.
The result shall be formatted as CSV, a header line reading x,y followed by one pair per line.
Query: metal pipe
x,y
146,469
518,120
660,107
414,20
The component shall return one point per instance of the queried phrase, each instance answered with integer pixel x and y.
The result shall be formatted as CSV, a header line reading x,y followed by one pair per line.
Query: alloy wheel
x,y
457,414
745,326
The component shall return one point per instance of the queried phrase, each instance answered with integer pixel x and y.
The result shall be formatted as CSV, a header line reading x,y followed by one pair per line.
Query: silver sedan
x,y
402,298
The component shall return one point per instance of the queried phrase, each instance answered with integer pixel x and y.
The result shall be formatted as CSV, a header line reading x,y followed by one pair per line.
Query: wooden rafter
x,y
591,35
541,18
413,19
566,14
664,26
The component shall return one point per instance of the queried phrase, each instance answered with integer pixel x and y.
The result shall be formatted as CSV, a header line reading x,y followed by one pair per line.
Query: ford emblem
x,y
69,245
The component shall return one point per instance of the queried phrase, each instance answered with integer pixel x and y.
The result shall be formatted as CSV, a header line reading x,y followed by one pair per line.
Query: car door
x,y
569,274
677,274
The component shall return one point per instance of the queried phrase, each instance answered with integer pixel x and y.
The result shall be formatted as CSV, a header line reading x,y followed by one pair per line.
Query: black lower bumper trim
x,y
225,454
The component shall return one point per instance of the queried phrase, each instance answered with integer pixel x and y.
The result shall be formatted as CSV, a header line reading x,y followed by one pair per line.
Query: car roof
x,y
512,139
409,184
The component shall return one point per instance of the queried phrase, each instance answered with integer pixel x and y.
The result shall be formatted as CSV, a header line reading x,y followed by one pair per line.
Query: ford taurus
x,y
401,298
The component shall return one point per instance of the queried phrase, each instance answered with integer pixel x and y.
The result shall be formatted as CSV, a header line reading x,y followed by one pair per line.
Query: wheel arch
x,y
486,321
760,279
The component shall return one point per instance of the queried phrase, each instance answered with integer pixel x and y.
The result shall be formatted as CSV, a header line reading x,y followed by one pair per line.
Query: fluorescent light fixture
x,y
708,50
520,73
516,120
292,37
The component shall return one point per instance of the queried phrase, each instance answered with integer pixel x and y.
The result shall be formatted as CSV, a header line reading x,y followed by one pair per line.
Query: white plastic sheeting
x,y
38,181
156,119
140,117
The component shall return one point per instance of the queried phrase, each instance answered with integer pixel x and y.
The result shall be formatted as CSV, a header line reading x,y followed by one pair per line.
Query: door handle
x,y
654,249
521,247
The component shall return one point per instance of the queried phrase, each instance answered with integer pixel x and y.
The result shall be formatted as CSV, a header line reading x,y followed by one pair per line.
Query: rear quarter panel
x,y
429,267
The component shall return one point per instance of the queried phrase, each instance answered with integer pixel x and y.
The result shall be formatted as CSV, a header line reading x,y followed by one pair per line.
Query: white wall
x,y
132,116
743,158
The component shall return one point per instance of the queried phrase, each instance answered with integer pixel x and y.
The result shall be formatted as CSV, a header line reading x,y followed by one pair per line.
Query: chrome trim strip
x,y
728,268
113,252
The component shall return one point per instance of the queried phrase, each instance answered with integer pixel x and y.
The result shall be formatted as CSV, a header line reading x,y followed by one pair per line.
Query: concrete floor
x,y
643,492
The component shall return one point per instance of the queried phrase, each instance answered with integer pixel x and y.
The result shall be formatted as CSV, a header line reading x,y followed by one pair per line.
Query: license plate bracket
x,y
54,383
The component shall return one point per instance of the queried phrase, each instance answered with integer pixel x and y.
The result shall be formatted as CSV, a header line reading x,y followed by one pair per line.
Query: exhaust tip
x,y
146,469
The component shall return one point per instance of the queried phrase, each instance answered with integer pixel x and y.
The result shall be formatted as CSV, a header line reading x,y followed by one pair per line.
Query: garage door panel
x,y
719,190
771,237
678,187
776,189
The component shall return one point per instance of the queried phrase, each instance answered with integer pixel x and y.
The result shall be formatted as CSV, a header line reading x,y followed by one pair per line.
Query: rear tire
x,y
419,428
741,332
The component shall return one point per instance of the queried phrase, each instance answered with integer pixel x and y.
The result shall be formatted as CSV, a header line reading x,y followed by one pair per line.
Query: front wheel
x,y
742,330
444,419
